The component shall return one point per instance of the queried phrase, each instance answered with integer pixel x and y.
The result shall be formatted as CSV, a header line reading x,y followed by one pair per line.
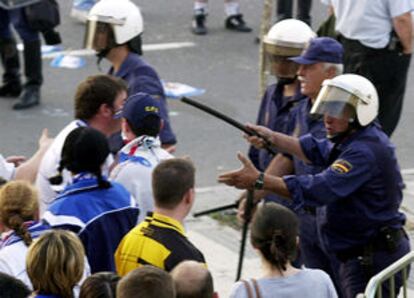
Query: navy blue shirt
x,y
141,77
361,186
301,122
273,113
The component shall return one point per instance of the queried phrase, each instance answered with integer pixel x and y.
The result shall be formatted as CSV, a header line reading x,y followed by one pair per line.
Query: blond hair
x,y
18,203
55,263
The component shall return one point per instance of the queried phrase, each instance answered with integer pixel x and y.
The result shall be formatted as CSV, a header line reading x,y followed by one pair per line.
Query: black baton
x,y
225,118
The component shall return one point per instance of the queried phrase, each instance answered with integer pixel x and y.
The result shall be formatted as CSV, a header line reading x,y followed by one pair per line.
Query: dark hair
x,y
11,287
96,91
18,204
192,280
150,126
171,179
85,150
100,285
274,232
146,282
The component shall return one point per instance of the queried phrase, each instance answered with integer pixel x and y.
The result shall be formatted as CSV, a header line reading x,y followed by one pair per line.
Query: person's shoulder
x,y
238,290
314,275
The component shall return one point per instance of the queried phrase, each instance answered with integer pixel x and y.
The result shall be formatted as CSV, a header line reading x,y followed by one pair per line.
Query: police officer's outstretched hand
x,y
243,178
263,132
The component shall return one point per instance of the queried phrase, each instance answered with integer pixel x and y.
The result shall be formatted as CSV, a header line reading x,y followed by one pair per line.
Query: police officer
x,y
10,59
285,39
361,184
114,30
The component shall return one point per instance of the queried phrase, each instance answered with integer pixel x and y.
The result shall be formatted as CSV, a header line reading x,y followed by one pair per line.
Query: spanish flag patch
x,y
341,166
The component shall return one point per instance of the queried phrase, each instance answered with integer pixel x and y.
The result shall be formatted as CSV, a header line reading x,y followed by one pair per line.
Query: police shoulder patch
x,y
341,166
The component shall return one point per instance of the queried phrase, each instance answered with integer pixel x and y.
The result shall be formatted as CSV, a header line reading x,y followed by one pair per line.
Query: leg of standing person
x,y
199,18
32,61
284,10
234,20
303,11
10,58
388,71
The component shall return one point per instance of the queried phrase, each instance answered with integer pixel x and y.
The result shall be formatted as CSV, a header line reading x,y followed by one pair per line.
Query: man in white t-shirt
x,y
377,39
98,102
141,124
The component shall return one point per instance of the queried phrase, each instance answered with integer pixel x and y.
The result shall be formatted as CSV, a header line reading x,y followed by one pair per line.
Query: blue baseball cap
x,y
321,49
139,106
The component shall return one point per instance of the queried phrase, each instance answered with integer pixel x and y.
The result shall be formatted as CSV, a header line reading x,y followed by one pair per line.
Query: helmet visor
x,y
99,36
280,66
335,102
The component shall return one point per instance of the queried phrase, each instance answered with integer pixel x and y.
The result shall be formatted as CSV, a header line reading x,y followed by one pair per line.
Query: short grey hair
x,y
339,68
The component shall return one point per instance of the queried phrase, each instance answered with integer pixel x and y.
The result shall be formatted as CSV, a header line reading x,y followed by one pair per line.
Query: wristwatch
x,y
259,181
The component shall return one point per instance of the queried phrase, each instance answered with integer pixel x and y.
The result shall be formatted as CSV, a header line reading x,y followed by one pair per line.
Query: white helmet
x,y
286,39
348,91
120,20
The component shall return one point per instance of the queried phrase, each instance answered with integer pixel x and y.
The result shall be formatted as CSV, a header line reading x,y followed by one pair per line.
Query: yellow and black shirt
x,y
159,241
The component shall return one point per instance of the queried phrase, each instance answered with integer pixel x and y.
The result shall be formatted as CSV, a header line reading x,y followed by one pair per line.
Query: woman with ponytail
x,y
274,234
99,211
19,216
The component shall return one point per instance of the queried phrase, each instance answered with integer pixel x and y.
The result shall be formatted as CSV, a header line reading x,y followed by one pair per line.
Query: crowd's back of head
x,y
146,282
193,280
100,285
55,263
274,232
18,204
171,180
11,287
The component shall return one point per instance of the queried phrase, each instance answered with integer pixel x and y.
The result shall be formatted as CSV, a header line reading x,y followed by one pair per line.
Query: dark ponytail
x,y
102,183
274,233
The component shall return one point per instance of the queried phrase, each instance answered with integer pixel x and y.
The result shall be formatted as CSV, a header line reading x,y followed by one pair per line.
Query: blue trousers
x,y
17,19
313,251
353,274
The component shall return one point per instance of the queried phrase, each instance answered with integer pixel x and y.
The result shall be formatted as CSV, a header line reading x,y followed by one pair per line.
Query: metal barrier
x,y
374,287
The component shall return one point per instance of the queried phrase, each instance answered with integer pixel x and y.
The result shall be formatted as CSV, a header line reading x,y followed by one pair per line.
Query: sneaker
x,y
236,23
80,9
199,27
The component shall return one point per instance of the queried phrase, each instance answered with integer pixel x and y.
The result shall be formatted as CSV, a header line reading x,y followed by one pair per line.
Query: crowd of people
x,y
100,210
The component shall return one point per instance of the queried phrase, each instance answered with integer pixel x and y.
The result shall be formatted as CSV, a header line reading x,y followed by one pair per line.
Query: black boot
x,y
10,59
34,79
236,23
199,27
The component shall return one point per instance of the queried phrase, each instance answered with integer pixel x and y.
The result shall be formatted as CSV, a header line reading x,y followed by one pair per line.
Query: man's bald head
x,y
192,279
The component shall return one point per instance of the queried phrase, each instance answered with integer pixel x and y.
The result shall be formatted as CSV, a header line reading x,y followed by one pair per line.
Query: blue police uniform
x,y
361,187
273,113
141,77
100,216
313,251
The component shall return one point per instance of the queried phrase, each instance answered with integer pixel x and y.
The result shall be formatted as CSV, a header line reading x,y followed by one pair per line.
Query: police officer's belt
x,y
387,240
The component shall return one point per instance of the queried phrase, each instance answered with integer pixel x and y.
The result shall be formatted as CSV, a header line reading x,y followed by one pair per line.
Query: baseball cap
x,y
138,107
321,49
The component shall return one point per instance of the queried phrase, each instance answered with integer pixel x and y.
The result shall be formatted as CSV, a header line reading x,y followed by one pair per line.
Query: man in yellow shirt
x,y
160,239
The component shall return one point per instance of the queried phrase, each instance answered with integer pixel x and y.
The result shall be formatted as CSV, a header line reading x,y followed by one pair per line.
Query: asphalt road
x,y
223,63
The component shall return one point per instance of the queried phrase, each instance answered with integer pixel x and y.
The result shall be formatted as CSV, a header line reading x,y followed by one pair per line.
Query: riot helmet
x,y
285,39
348,95
112,23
